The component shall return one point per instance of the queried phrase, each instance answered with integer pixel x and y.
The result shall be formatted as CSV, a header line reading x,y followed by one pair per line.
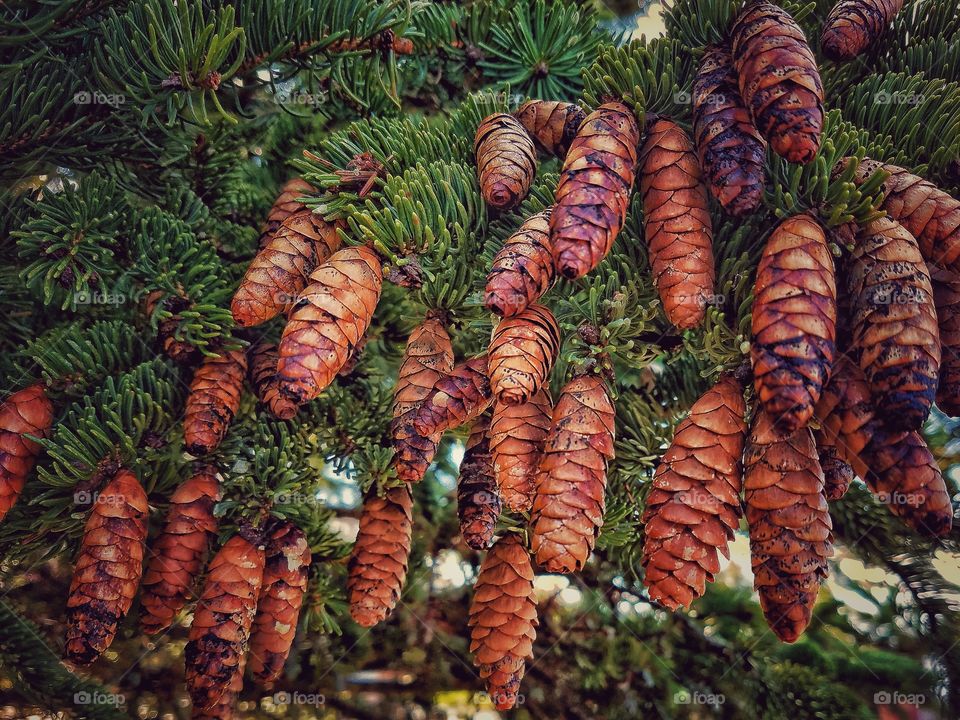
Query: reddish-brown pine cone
x,y
225,707
676,223
25,412
478,502
378,563
779,80
552,124
790,528
730,148
517,435
427,358
281,597
328,321
177,555
853,25
215,652
179,351
523,269
946,296
794,324
593,195
522,352
568,508
286,204
213,401
456,398
894,323
108,568
845,414
506,161
503,619
263,359
837,472
693,508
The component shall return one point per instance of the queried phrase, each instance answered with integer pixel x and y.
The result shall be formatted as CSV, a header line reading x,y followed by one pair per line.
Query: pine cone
x,y
693,509
854,25
478,503
845,414
108,567
553,125
794,322
946,296
593,194
456,399
263,359
284,206
568,507
517,435
213,401
180,351
521,354
503,619
25,412
506,161
225,707
378,563
329,319
837,472
779,80
523,269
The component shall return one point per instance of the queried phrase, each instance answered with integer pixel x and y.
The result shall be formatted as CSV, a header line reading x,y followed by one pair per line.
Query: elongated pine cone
x,y
281,597
730,148
177,555
225,707
215,652
854,25
427,358
286,204
503,619
378,563
779,80
568,508
946,296
522,269
506,161
794,324
676,223
25,412
456,399
790,528
213,401
552,124
593,195
693,508
517,436
522,353
108,568
263,359
327,322
894,323
478,502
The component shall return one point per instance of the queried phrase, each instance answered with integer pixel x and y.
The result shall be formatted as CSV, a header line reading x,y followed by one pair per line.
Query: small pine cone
x,y
263,359
837,472
427,358
523,268
853,25
894,323
181,352
522,353
946,296
845,413
593,195
108,567
284,206
225,707
552,124
568,508
794,322
506,161
281,597
327,322
215,652
693,508
478,502
730,148
378,562
457,398
213,401
779,80
676,223
790,528
503,619
517,435
25,412
177,554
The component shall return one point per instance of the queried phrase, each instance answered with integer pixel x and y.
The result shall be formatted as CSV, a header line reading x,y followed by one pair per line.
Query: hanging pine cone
x,y
180,351
779,80
503,619
553,125
794,321
225,707
845,414
517,435
327,322
854,25
213,401
263,359
108,567
523,269
378,563
456,399
693,508
286,204
568,508
837,472
25,412
522,353
506,161
593,194
478,502
946,296
177,554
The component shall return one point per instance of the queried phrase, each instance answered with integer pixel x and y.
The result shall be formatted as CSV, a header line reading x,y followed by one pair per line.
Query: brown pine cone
x,y
517,435
25,412
837,472
478,502
853,25
676,223
108,567
522,270
225,707
284,206
506,161
693,509
213,401
946,297
503,619
263,359
180,351
845,414
522,352
456,399
552,124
